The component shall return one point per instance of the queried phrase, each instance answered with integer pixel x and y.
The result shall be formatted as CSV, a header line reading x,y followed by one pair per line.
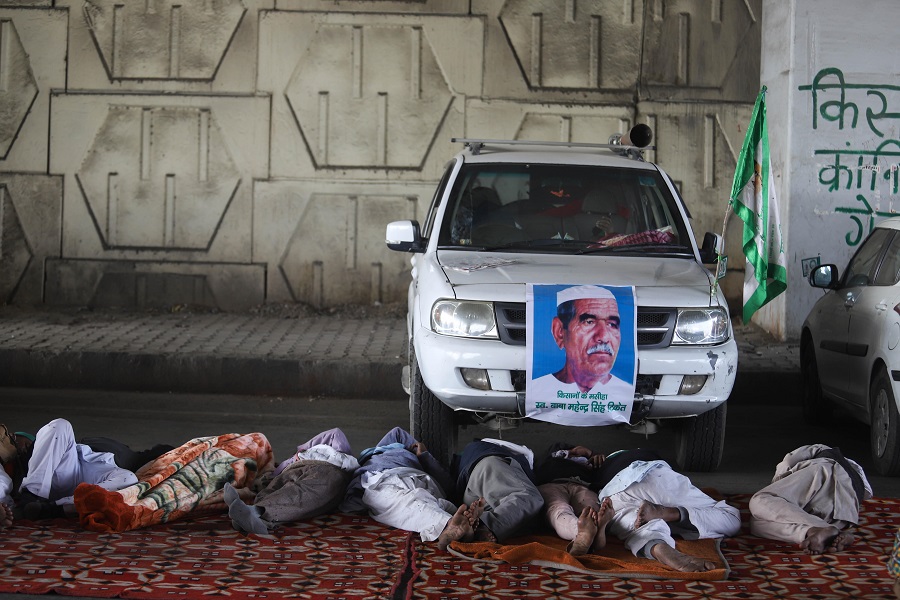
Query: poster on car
x,y
581,345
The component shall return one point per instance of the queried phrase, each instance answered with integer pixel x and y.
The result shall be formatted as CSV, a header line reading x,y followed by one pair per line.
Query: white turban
x,y
583,291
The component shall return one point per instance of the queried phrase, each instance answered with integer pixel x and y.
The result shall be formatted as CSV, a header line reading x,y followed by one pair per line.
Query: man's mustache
x,y
604,347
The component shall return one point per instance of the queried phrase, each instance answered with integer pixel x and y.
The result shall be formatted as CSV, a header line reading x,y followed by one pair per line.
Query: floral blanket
x,y
185,481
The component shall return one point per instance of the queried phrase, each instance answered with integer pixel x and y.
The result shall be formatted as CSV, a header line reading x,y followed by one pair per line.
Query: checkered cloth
x,y
653,236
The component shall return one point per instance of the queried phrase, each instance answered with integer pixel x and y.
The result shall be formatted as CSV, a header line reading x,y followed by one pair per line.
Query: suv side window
x,y
861,269
436,200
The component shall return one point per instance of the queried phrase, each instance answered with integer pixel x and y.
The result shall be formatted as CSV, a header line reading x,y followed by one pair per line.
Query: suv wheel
x,y
700,440
885,425
817,410
431,421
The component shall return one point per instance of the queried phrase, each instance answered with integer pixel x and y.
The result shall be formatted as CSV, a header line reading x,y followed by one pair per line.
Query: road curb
x,y
201,374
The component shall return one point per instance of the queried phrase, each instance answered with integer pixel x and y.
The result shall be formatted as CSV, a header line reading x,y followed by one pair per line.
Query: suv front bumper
x,y
440,359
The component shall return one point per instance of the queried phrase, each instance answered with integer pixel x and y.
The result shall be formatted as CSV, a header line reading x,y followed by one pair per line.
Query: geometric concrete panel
x,y
701,49
368,96
134,284
574,45
341,266
14,251
324,243
158,177
30,216
163,39
545,122
32,62
18,88
382,6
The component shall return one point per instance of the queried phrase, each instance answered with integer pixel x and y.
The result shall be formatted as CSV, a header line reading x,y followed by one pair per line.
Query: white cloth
x,y
663,486
58,465
633,473
6,485
326,453
407,499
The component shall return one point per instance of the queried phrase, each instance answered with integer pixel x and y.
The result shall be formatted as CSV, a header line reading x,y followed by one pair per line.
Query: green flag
x,y
753,200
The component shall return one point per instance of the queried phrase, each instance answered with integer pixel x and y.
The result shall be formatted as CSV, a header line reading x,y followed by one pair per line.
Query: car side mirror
x,y
712,246
404,236
824,276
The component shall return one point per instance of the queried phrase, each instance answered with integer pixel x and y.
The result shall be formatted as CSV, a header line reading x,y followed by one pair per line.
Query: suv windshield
x,y
567,207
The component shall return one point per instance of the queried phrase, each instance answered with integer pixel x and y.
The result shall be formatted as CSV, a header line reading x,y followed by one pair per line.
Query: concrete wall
x,y
834,126
235,152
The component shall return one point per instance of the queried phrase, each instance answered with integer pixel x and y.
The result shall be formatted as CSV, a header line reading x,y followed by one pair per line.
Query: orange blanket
x,y
550,551
186,480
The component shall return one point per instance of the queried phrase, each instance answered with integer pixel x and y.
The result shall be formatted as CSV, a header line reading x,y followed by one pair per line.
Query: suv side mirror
x,y
712,246
404,236
824,276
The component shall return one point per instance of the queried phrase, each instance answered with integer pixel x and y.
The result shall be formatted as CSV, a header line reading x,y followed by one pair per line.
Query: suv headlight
x,y
701,326
464,318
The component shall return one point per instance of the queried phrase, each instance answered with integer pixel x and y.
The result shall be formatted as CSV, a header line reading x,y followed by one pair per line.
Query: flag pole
x,y
715,286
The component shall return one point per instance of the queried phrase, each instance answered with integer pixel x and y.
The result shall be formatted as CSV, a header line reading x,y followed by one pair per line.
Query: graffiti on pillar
x,y
871,168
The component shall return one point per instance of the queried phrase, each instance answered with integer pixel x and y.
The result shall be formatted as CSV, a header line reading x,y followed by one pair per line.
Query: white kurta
x,y
661,485
407,499
58,465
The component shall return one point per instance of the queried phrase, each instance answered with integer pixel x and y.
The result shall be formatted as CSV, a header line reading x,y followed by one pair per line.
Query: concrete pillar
x,y
833,104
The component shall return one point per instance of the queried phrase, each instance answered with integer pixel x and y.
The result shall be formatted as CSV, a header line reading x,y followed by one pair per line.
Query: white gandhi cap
x,y
583,291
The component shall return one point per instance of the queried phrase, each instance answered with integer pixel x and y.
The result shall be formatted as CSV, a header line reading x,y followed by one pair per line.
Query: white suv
x,y
507,214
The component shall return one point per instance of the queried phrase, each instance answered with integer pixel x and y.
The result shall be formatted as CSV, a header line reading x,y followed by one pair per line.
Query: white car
x,y
849,353
511,213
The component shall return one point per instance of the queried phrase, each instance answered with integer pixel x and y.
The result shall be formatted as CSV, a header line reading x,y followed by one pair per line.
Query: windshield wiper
x,y
538,243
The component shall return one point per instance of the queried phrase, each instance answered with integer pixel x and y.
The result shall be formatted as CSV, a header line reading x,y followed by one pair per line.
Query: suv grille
x,y
655,326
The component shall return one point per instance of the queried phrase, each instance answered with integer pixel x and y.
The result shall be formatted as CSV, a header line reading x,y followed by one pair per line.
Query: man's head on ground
x,y
587,327
8,447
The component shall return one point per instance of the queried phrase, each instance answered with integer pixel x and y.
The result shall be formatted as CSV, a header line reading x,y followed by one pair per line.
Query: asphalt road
x,y
757,435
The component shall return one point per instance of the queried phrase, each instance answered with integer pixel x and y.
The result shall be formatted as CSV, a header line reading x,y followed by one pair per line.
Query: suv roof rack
x,y
476,145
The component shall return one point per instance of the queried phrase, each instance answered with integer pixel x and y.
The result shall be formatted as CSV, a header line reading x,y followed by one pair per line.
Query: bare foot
x,y
843,540
649,511
6,516
457,528
587,529
474,511
819,538
679,560
602,518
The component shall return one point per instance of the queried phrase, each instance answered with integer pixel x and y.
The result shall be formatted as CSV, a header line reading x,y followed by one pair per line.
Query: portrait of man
x,y
587,329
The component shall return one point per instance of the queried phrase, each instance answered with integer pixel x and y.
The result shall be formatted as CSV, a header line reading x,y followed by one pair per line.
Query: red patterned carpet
x,y
343,556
